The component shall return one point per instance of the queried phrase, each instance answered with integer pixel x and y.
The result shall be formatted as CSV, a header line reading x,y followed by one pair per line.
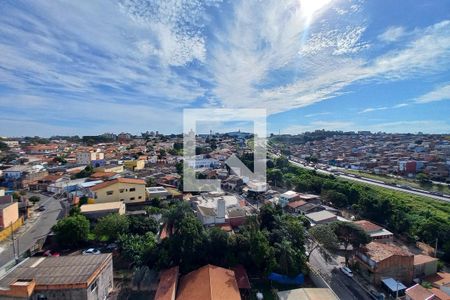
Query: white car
x,y
91,251
347,271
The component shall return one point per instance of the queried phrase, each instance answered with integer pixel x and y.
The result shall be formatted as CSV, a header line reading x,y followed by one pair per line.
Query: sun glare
x,y
310,7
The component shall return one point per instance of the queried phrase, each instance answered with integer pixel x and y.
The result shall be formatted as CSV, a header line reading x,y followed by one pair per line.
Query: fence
x,y
5,233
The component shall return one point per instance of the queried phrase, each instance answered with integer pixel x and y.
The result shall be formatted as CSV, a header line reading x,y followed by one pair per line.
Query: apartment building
x,y
128,190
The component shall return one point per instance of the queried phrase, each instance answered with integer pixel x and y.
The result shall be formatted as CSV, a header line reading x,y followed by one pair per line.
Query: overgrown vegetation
x,y
415,217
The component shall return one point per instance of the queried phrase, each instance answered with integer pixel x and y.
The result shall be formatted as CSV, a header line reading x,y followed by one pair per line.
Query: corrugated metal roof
x,y
57,270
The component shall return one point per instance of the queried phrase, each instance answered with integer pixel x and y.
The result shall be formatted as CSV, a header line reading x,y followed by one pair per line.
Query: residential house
x,y
374,231
128,190
380,260
9,213
321,217
111,168
418,292
134,165
440,281
168,283
157,192
81,277
98,210
424,265
93,158
209,282
287,197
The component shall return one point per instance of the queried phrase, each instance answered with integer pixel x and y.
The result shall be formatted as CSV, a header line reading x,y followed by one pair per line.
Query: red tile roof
x,y
167,286
117,180
241,277
296,204
209,283
422,259
380,251
368,226
418,292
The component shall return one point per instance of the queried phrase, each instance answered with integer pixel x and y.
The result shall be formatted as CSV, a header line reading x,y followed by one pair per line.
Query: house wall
x,y
121,192
108,169
425,269
399,267
9,214
134,164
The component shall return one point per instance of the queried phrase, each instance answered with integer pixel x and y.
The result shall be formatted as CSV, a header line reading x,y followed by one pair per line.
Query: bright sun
x,y
309,7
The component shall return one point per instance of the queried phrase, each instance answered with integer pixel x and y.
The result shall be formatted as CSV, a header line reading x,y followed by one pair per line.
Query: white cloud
x,y
371,109
317,114
392,34
438,94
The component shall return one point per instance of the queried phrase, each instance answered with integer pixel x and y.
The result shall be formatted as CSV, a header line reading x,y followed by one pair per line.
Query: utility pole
x,y
435,248
13,242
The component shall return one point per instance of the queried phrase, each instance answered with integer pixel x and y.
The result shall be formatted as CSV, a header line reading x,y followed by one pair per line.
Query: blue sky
x,y
88,67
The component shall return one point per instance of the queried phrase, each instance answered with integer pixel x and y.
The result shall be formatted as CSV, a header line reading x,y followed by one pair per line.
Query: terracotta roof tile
x,y
117,180
368,226
418,292
167,286
422,259
209,283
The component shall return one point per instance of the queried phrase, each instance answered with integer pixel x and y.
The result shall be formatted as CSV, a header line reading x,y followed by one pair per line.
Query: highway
x,y
375,182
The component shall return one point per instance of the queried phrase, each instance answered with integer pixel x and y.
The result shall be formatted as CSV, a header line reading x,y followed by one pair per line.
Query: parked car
x,y
91,251
51,253
111,247
347,271
376,295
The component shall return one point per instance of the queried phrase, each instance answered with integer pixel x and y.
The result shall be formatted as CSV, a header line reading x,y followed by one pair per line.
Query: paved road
x,y
34,229
368,181
344,287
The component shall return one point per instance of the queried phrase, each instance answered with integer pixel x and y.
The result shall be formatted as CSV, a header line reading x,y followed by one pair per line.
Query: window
x,y
132,189
121,190
132,198
140,197
93,286
109,193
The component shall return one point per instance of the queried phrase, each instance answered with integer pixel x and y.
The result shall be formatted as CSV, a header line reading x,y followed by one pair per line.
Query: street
x,y
33,229
345,287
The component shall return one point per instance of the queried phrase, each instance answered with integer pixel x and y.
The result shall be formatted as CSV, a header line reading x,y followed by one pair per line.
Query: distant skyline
x,y
89,67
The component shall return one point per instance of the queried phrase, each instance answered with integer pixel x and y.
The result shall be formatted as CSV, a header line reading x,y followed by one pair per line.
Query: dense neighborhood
x,y
115,224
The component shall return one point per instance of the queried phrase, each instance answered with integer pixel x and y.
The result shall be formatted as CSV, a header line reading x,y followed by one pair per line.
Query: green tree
x,y
142,224
218,248
34,199
3,146
322,237
137,248
350,234
72,231
150,181
275,176
111,226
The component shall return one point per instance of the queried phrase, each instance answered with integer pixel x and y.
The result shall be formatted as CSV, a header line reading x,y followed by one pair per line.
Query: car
x,y
91,251
111,247
347,271
51,253
42,208
376,295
